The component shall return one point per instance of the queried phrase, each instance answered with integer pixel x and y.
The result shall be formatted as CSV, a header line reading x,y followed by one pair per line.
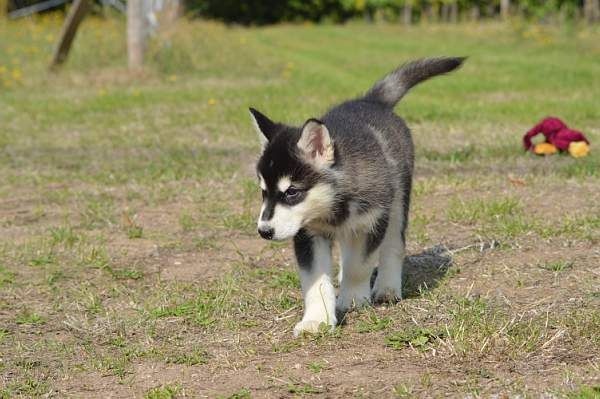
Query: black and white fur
x,y
347,177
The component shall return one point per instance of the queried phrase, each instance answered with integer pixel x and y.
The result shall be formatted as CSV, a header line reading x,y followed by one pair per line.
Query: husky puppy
x,y
345,176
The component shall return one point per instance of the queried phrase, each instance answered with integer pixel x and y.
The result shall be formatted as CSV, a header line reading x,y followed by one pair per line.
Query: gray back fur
x,y
374,148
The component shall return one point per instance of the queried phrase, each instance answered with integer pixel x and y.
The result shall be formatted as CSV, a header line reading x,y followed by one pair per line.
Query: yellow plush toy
x,y
579,149
557,137
545,149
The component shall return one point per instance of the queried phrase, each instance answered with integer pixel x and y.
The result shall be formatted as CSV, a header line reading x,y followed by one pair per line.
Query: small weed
x,y
373,323
186,221
29,387
205,243
43,259
191,358
6,276
524,336
303,389
416,337
98,211
125,274
55,276
27,317
403,391
117,342
285,279
92,303
132,229
316,367
556,266
3,334
115,365
64,235
163,392
96,257
135,232
286,302
286,346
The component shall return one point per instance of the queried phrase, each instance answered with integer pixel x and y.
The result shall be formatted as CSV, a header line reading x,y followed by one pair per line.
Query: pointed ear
x,y
315,144
265,127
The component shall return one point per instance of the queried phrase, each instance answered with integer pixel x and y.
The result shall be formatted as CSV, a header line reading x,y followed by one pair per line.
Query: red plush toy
x,y
558,137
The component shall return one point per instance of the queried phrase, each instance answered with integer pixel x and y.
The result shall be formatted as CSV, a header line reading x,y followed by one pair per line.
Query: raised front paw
x,y
313,326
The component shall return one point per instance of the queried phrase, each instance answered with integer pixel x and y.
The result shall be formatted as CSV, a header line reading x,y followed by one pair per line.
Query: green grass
x,y
128,207
373,323
415,337
163,392
27,317
6,276
592,392
557,266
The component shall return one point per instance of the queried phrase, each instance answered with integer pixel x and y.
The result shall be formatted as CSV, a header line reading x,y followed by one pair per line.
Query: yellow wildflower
x,y
17,75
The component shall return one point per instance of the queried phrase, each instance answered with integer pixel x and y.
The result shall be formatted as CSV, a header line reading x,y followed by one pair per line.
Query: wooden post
x,y
454,12
475,13
445,12
407,14
504,9
69,29
591,11
136,33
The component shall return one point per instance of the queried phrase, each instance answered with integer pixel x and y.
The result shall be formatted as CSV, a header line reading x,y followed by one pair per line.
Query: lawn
x,y
129,262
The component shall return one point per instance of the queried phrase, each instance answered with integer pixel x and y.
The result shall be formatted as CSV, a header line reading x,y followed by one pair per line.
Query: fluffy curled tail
x,y
389,90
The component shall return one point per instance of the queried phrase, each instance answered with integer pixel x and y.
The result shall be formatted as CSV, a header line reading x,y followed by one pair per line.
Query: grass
x,y
129,261
585,393
557,266
415,337
163,392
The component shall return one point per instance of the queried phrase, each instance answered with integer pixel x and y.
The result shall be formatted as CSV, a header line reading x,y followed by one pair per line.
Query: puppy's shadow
x,y
423,271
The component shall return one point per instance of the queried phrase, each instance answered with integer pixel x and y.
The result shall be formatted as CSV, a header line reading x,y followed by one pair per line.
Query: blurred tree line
x,y
404,11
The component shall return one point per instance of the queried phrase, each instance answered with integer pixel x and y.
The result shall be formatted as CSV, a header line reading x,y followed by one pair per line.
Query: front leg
x,y
314,262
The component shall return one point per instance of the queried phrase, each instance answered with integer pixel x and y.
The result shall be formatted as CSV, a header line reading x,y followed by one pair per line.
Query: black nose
x,y
266,233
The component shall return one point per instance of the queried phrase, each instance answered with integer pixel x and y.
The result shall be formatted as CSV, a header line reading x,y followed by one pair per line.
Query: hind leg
x,y
388,284
355,273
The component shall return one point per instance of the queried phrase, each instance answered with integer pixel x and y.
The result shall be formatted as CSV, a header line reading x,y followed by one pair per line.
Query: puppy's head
x,y
293,173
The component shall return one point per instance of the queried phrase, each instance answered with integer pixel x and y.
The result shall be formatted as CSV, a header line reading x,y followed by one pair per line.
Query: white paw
x,y
313,326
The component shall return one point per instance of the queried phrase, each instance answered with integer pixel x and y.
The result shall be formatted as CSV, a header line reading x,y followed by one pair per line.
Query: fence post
x,y
504,9
69,29
591,11
136,33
